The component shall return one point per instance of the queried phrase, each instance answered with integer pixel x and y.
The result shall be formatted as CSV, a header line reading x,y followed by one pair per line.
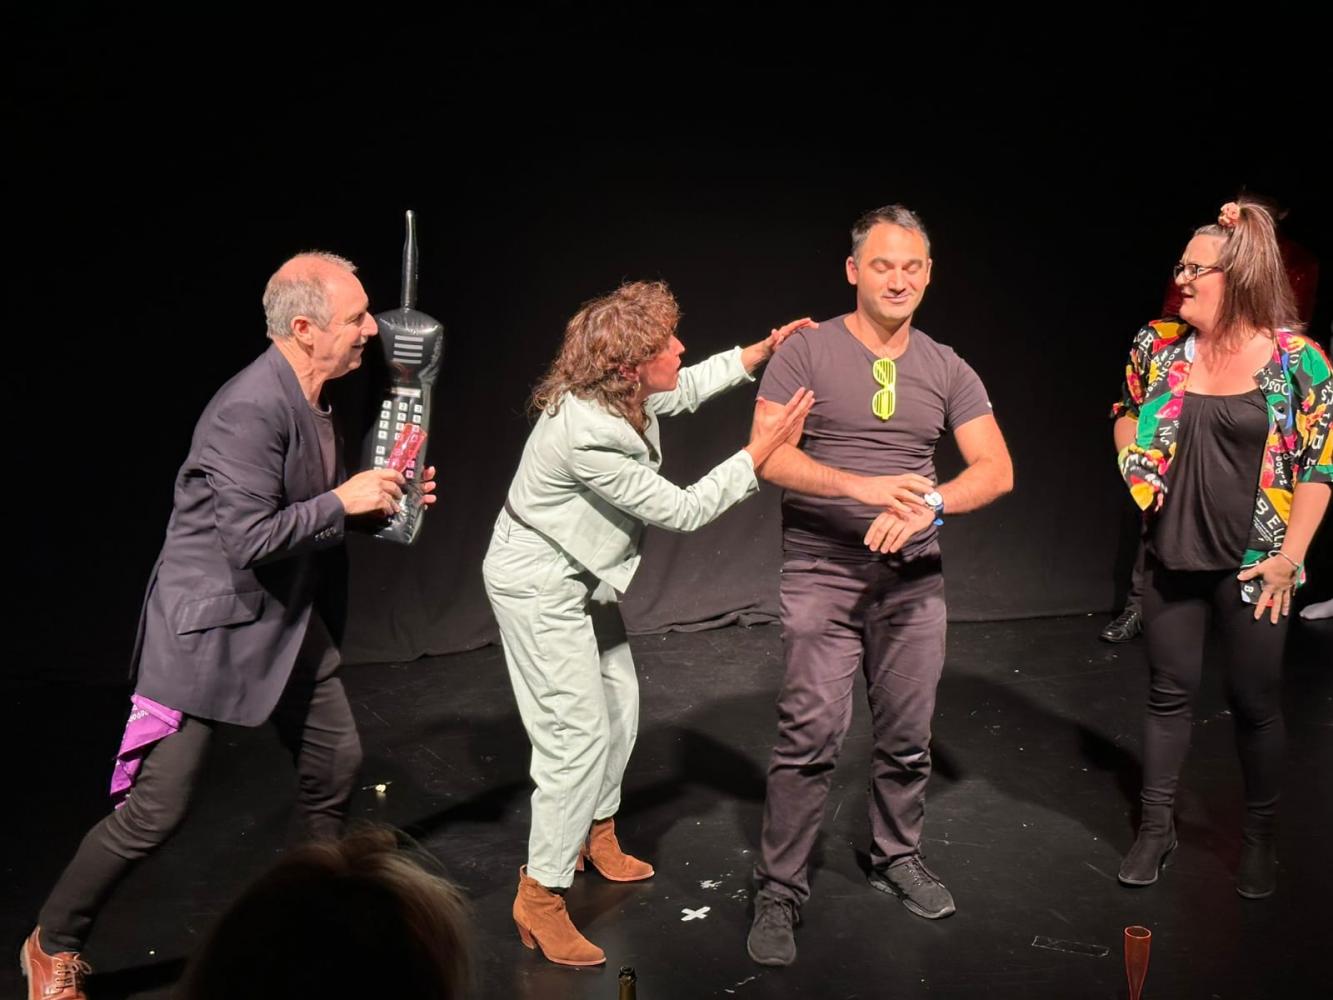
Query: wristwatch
x,y
935,502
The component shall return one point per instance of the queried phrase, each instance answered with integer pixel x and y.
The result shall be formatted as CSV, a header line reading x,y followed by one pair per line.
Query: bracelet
x,y
1299,567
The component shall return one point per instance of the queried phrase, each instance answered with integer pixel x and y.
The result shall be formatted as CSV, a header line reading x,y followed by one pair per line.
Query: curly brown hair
x,y
617,331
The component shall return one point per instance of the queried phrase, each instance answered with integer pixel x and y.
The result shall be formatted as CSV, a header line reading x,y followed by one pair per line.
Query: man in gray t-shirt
x,y
936,391
861,576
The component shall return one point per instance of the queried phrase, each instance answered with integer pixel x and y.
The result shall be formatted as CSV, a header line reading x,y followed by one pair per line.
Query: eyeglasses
x,y
886,374
1192,271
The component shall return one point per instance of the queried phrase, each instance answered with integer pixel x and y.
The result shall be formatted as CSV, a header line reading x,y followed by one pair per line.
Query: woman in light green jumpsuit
x,y
568,540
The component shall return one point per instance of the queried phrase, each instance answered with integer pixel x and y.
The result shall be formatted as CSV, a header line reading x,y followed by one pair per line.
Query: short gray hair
x,y
894,215
286,297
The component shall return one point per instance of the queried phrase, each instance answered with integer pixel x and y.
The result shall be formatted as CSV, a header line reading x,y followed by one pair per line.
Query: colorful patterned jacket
x,y
1298,386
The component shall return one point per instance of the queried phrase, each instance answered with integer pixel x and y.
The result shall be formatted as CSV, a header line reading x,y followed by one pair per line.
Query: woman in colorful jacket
x,y
568,540
1223,433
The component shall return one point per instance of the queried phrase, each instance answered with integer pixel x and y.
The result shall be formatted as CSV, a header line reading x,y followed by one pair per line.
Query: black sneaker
x,y
1122,629
771,940
917,886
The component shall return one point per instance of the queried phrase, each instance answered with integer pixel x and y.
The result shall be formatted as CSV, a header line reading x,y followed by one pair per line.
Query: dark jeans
x,y
314,723
838,618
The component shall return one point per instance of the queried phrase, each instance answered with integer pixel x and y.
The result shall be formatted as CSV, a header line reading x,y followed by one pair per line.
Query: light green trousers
x,y
573,678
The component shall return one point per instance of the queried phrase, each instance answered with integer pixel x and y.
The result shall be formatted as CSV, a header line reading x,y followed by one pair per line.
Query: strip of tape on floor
x,y
1072,947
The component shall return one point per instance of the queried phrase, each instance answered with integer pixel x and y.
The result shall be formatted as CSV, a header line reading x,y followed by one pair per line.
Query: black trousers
x,y
1137,580
838,619
314,722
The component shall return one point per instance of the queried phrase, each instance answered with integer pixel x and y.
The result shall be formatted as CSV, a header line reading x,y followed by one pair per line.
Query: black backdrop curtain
x,y
155,196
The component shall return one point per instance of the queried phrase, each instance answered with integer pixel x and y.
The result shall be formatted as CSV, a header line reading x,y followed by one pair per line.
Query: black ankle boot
x,y
1156,840
1256,878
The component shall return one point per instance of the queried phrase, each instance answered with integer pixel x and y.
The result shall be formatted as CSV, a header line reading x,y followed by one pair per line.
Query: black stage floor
x,y
1036,770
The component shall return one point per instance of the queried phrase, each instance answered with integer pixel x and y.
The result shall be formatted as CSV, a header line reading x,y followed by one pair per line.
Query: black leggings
x,y
1180,610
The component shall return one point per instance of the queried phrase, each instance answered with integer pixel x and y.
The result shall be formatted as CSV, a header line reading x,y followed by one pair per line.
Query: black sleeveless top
x,y
1204,523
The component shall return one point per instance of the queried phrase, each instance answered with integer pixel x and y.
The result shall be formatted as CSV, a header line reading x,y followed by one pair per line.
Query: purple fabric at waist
x,y
149,722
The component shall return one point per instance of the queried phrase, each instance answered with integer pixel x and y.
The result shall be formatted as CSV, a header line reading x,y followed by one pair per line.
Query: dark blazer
x,y
253,545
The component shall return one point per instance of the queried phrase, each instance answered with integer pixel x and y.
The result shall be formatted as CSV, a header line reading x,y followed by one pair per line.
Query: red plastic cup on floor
x,y
1138,942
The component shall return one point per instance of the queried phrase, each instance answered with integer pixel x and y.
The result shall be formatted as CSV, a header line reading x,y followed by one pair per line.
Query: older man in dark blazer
x,y
245,604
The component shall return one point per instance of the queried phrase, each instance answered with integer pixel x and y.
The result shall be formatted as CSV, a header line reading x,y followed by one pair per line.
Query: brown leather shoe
x,y
543,921
52,977
603,850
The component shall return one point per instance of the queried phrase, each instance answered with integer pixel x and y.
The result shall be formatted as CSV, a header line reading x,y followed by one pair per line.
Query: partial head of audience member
x,y
363,916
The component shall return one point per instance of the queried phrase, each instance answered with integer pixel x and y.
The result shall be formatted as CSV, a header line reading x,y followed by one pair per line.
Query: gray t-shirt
x,y
328,443
936,391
